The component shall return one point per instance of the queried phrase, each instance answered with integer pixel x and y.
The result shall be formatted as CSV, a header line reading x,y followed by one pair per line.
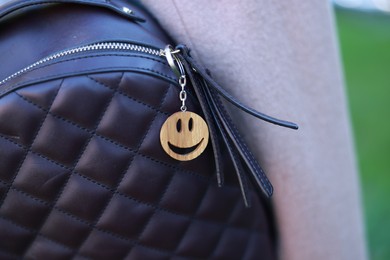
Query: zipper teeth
x,y
91,47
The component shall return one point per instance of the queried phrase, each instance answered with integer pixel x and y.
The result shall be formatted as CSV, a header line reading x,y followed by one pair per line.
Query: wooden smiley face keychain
x,y
184,135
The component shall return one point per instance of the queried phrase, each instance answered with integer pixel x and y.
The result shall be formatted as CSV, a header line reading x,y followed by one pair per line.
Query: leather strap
x,y
121,9
211,122
220,123
211,82
236,141
232,152
88,63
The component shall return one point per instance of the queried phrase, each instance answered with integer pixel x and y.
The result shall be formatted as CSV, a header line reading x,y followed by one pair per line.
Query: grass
x,y
365,47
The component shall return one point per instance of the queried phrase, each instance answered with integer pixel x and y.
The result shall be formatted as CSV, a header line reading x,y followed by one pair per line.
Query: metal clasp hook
x,y
173,61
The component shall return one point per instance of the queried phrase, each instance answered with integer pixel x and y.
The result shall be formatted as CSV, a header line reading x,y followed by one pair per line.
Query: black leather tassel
x,y
232,152
216,127
222,129
212,124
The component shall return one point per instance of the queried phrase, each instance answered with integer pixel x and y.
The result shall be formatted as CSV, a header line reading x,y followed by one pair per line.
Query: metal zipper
x,y
91,47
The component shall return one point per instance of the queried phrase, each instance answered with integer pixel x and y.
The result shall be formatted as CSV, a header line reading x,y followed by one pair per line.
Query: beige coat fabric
x,y
281,58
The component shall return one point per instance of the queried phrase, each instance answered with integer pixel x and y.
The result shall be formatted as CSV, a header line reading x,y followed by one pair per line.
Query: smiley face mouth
x,y
184,150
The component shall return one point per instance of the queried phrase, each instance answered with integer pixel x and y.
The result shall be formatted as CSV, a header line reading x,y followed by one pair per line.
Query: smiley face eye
x,y
190,124
178,125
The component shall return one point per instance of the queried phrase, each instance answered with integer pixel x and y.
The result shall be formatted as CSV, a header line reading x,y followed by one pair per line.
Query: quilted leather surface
x,y
82,171
82,175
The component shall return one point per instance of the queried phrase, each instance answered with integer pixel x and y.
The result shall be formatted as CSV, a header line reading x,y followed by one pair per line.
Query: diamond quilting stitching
x,y
117,144
192,218
173,167
151,217
82,101
224,226
49,249
48,110
129,197
32,231
156,208
102,230
29,148
81,153
157,109
128,166
110,232
233,209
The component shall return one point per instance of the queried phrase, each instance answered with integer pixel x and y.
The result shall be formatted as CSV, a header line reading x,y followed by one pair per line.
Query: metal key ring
x,y
173,61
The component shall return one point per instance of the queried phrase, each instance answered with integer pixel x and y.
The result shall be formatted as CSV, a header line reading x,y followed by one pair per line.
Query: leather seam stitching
x,y
229,219
137,242
94,223
154,212
157,109
29,147
192,218
245,150
98,183
128,166
63,187
156,207
113,142
187,172
32,231
86,71
126,196
130,198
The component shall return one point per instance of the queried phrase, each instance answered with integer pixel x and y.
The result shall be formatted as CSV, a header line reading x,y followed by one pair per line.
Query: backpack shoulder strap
x,y
120,8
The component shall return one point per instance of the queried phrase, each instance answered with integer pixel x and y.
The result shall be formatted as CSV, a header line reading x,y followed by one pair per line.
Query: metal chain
x,y
178,68
183,93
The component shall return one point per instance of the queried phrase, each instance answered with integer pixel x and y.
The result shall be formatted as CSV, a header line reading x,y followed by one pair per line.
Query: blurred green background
x,y
365,48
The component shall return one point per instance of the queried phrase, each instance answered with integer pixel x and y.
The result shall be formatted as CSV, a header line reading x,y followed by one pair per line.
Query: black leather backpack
x,y
85,87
